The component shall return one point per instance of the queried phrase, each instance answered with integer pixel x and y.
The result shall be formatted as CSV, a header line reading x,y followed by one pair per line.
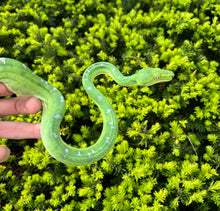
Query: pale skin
x,y
17,130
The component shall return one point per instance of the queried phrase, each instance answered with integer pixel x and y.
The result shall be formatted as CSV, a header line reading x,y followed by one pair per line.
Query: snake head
x,y
149,76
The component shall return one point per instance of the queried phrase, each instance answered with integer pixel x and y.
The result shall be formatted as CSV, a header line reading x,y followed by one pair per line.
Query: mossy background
x,y
167,154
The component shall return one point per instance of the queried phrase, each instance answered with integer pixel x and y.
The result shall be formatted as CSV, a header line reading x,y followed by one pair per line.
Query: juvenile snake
x,y
22,81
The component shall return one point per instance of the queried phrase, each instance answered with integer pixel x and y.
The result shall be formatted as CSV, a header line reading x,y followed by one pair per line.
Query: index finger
x,y
19,105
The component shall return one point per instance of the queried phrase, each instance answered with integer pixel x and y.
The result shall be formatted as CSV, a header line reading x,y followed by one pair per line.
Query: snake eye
x,y
158,77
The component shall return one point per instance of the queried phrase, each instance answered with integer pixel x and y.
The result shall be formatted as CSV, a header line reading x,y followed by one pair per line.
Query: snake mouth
x,y
167,77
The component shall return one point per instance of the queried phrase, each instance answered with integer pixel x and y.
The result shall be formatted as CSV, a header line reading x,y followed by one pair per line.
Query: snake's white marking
x,y
53,90
100,97
107,140
112,123
62,99
3,60
54,135
108,110
57,116
24,66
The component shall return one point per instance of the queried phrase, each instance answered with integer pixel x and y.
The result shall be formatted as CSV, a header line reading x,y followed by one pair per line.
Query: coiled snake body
x,y
21,80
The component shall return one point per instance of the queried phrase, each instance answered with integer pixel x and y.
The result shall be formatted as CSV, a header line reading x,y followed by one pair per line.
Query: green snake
x,y
19,79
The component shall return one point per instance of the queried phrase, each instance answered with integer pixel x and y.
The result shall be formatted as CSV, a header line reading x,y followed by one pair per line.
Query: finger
x,y
19,105
19,130
4,153
4,90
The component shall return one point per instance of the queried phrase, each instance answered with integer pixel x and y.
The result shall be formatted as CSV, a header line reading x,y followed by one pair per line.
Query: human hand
x,y
17,130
